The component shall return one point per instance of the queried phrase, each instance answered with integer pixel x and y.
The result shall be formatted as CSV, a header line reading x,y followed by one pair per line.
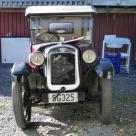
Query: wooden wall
x,y
123,25
15,24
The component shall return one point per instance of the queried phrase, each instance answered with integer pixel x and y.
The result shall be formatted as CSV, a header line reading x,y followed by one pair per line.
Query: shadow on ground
x,y
5,79
82,118
61,119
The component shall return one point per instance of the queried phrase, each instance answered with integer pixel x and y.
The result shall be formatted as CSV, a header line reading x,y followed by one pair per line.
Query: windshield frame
x,y
89,18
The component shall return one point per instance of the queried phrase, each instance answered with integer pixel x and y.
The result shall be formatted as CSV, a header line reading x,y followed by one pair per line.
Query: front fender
x,y
105,69
19,68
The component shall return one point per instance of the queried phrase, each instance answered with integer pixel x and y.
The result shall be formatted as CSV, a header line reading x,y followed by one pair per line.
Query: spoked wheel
x,y
21,102
105,100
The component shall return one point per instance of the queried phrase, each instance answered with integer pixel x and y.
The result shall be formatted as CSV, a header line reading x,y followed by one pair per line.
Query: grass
x,y
127,98
2,104
75,128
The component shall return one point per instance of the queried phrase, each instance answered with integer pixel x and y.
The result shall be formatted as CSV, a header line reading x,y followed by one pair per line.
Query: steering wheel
x,y
47,38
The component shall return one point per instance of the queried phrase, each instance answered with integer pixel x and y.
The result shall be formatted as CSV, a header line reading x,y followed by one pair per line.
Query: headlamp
x,y
89,56
37,58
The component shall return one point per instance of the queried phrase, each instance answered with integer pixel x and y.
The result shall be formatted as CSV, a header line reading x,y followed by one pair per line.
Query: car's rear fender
x,y
105,69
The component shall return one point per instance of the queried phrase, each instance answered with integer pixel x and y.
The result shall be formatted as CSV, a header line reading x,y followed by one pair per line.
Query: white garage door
x,y
14,49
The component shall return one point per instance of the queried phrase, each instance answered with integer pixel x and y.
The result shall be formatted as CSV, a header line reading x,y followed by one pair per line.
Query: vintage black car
x,y
62,66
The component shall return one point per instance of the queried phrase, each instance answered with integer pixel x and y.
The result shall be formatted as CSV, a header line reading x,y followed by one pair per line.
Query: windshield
x,y
50,29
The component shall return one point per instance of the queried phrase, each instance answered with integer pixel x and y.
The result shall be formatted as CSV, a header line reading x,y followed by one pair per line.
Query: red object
x,y
123,25
13,23
31,65
35,48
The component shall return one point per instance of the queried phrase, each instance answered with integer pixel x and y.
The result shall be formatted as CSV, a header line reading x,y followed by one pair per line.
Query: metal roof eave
x,y
61,10
116,3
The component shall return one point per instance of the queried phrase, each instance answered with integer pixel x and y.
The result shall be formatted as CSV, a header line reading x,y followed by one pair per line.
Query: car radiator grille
x,y
62,69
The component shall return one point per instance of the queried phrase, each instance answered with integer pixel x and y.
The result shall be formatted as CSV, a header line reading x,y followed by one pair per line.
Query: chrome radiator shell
x,y
62,48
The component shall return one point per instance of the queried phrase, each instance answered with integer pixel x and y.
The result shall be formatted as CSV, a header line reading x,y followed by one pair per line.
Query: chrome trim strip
x,y
48,74
52,43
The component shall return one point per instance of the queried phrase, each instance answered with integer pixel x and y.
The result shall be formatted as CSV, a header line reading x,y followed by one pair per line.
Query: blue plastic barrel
x,y
115,60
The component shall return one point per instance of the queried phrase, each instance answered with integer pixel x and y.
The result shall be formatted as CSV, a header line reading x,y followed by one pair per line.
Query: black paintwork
x,y
89,73
105,69
20,68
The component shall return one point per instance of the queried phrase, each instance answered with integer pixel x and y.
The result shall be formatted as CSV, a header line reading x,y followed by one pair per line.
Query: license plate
x,y
63,97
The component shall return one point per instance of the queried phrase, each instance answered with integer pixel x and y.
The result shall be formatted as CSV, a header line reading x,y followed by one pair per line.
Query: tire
x,y
106,101
21,103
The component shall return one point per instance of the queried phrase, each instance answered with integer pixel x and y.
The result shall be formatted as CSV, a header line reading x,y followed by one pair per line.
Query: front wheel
x,y
21,102
106,101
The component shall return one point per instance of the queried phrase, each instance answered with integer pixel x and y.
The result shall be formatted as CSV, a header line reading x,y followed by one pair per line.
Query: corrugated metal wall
x,y
113,2
25,3
13,24
123,25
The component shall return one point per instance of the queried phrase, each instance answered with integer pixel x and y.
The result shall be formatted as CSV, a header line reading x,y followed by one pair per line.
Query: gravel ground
x,y
73,120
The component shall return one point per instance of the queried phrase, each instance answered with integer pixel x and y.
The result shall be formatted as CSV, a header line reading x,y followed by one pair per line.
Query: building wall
x,y
113,2
13,23
25,3
123,25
